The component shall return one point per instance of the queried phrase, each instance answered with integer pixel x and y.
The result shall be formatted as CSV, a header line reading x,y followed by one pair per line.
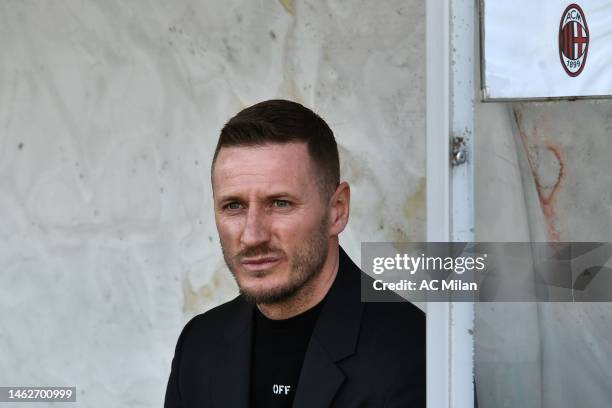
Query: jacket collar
x,y
334,338
231,384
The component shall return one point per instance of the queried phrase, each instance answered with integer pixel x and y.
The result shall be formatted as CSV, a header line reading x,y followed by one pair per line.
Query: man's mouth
x,y
259,263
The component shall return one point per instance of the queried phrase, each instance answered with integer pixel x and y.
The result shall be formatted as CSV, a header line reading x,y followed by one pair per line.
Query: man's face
x,y
271,218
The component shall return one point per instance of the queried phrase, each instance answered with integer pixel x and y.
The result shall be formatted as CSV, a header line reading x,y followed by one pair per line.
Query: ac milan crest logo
x,y
573,40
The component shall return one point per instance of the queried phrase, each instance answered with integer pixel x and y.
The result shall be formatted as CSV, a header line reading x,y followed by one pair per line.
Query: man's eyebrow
x,y
228,197
282,194
272,196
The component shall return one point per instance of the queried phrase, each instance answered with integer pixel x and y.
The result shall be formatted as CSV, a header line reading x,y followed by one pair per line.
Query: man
x,y
298,334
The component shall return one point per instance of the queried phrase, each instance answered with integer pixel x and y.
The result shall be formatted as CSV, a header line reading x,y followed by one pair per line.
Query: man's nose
x,y
255,230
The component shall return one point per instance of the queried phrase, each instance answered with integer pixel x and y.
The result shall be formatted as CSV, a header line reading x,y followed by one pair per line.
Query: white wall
x,y
110,112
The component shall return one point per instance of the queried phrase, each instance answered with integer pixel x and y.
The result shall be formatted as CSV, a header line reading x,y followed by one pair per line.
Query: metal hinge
x,y
459,155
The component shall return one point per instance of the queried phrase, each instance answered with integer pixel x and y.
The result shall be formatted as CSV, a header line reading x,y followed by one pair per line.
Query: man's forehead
x,y
273,162
291,155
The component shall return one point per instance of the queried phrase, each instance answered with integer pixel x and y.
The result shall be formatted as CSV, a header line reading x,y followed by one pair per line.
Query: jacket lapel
x,y
319,380
334,338
231,382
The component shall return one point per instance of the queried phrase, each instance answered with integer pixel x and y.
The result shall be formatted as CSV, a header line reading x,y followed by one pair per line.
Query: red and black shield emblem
x,y
573,40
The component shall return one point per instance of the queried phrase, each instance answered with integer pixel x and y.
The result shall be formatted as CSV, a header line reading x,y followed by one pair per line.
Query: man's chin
x,y
268,295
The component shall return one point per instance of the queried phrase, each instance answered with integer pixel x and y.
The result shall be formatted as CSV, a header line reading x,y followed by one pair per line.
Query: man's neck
x,y
311,294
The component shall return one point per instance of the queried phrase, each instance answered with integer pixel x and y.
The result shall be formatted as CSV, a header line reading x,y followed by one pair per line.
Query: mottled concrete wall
x,y
110,111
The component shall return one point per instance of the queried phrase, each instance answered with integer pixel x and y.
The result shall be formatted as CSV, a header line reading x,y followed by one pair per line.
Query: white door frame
x,y
450,190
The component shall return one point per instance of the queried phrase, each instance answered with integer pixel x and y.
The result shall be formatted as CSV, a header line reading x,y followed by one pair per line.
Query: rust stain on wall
x,y
547,192
288,6
414,213
397,234
197,300
414,207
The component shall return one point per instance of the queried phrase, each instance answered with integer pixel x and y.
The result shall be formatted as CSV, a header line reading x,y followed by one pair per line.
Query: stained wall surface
x,y
543,174
110,113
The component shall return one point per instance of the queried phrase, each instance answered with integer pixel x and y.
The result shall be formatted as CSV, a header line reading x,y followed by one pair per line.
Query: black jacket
x,y
360,354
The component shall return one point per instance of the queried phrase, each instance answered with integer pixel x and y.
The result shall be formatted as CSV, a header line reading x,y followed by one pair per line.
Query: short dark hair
x,y
280,121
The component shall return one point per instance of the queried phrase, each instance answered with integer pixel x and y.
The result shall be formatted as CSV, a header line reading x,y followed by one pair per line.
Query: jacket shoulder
x,y
214,322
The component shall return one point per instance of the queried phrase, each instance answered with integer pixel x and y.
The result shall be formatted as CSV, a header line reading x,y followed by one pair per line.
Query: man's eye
x,y
233,206
281,203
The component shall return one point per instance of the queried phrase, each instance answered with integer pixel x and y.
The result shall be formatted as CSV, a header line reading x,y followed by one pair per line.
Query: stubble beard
x,y
305,266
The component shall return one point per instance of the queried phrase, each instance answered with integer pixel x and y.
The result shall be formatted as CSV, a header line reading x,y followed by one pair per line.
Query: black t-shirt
x,y
278,351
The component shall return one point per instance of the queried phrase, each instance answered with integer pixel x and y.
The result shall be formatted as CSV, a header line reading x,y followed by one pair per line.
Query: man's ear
x,y
339,208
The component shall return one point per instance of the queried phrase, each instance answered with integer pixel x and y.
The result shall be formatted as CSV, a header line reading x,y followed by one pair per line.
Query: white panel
x,y
523,55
